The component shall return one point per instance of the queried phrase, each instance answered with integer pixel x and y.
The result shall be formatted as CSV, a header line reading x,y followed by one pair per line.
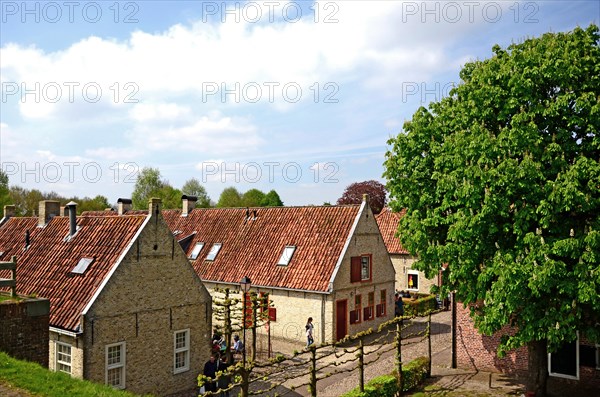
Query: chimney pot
x,y
124,205
72,206
154,206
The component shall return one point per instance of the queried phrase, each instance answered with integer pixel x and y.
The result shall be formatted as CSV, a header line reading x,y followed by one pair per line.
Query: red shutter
x,y
272,314
355,268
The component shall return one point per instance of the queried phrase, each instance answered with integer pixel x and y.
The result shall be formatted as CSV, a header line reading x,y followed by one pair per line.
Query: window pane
x,y
114,355
180,359
365,273
180,339
115,376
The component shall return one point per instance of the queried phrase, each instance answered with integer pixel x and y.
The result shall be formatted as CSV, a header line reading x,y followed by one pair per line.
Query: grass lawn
x,y
39,381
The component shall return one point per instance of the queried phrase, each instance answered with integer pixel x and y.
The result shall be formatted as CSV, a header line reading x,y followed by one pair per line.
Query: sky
x,y
296,96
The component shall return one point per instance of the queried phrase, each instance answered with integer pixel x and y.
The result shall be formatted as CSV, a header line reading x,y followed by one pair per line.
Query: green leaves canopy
x,y
501,180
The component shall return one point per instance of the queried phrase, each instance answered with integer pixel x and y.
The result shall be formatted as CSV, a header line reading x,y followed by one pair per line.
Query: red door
x,y
341,319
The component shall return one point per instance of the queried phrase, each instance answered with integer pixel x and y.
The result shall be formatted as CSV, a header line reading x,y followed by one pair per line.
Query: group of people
x,y
399,303
218,363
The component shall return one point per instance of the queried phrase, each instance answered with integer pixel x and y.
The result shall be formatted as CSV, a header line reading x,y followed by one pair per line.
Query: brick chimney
x,y
154,206
124,205
64,211
188,204
48,209
9,211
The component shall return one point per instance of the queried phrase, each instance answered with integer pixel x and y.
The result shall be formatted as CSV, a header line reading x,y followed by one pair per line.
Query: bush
x,y
420,306
413,374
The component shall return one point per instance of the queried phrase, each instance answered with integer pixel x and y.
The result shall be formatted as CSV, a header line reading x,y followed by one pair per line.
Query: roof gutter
x,y
346,245
65,332
269,287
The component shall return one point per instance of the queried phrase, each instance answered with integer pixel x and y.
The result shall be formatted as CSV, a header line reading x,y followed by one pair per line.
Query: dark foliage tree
x,y
501,180
376,191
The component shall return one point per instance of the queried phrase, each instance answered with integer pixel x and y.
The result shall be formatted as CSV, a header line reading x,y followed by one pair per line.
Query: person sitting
x,y
238,346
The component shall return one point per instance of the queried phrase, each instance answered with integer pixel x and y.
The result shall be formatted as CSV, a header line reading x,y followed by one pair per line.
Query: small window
x,y
82,265
286,255
115,365
412,281
214,250
181,351
63,357
365,268
196,251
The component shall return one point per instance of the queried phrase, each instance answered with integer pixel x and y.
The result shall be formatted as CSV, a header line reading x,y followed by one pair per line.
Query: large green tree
x,y
253,198
150,184
193,187
272,199
230,197
4,190
501,180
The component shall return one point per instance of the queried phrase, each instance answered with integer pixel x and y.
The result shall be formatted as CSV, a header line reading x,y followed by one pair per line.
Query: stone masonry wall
x,y
24,329
402,264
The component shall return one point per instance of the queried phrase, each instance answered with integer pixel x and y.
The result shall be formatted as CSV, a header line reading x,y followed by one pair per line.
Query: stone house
x,y
126,307
407,278
577,363
325,262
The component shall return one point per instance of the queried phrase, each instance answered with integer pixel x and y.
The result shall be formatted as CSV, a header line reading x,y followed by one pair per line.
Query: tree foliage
x,y
253,198
230,197
501,180
4,190
194,188
272,199
376,191
150,184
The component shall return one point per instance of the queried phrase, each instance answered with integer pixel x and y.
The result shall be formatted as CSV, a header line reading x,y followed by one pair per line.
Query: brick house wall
x,y
475,351
24,329
152,294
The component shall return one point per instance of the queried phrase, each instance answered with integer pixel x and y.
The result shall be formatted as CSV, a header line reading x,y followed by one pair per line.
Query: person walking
x,y
210,370
224,380
309,332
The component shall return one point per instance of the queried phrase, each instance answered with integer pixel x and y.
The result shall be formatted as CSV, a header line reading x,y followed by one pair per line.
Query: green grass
x,y
39,381
8,298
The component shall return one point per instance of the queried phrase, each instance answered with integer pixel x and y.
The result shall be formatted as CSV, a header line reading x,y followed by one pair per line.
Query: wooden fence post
x,y
399,355
361,366
429,345
313,371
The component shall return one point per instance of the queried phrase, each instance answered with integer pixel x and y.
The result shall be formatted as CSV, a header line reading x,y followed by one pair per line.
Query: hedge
x,y
420,306
413,375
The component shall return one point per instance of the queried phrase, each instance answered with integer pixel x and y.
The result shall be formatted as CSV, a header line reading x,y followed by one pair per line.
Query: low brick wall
x,y
24,329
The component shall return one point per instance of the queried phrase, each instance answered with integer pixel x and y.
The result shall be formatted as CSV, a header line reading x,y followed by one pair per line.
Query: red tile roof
x,y
388,222
45,267
252,247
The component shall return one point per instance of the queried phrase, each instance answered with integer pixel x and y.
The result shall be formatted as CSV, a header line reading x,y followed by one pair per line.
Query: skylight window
x,y
286,255
82,265
196,251
214,250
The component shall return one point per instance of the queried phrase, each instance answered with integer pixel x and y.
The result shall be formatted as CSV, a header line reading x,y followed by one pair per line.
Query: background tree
x,y
98,203
272,199
253,198
376,191
501,181
4,190
194,188
150,184
230,197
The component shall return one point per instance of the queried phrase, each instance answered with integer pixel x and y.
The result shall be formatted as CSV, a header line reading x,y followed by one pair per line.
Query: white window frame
x,y
214,251
82,265
185,349
121,364
414,273
59,362
286,255
196,250
556,375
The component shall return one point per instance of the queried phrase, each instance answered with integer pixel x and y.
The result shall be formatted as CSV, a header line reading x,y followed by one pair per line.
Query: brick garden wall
x,y
24,329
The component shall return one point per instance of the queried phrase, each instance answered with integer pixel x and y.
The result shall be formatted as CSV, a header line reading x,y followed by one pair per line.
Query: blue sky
x,y
299,97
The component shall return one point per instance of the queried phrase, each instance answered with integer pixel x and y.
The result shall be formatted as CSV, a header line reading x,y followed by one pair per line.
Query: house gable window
x,y
115,365
196,251
356,313
360,268
63,357
181,351
369,313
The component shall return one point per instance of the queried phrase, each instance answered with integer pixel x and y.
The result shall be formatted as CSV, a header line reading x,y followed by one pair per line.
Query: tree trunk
x,y
538,368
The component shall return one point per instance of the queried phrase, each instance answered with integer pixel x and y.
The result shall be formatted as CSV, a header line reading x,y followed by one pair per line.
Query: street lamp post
x,y
245,286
